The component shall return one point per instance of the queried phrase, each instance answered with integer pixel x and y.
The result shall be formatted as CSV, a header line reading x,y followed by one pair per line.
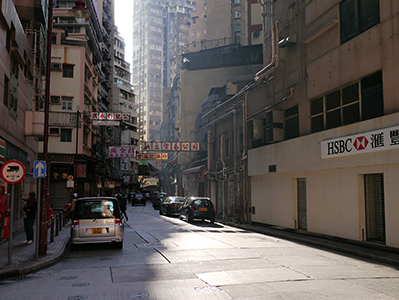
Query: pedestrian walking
x,y
123,205
30,209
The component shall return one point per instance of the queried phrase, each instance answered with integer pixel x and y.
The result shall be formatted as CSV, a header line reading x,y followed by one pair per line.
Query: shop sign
x,y
383,139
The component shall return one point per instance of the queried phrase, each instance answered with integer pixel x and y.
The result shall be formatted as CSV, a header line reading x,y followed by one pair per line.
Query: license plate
x,y
96,230
203,209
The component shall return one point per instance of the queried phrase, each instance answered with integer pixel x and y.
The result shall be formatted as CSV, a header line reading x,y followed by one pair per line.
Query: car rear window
x,y
202,203
97,209
179,199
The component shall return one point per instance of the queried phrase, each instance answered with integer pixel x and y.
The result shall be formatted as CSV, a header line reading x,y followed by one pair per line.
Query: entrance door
x,y
302,211
375,208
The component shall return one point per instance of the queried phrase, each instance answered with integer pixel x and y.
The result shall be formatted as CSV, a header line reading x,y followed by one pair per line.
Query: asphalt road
x,y
165,258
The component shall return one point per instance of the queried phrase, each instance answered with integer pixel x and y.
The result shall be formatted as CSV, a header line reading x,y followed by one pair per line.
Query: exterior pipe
x,y
275,53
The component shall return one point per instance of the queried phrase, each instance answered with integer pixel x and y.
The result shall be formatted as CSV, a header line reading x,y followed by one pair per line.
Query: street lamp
x,y
79,12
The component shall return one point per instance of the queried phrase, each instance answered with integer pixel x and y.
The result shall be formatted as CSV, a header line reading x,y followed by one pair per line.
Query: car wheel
x,y
119,245
189,220
160,212
145,203
168,212
212,221
180,217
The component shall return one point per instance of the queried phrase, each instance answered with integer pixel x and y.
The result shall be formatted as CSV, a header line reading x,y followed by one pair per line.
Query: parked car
x,y
197,208
97,220
158,200
171,205
136,198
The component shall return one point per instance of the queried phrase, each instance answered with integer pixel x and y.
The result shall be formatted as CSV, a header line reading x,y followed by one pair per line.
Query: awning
x,y
59,158
193,169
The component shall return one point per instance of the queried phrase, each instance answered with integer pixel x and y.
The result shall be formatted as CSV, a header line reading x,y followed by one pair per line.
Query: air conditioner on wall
x,y
56,66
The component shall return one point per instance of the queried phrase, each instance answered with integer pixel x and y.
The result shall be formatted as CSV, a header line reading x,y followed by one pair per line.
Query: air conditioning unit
x,y
56,66
55,99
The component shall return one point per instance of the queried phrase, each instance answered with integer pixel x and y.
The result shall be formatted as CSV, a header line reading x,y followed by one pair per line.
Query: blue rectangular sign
x,y
39,169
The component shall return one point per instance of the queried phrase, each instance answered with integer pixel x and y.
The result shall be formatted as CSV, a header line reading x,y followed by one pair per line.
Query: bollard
x,y
56,224
52,229
59,222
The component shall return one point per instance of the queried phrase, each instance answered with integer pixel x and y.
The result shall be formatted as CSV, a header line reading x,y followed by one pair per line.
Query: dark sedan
x,y
197,208
158,200
171,206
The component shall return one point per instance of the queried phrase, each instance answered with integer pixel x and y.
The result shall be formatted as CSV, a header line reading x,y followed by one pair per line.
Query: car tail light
x,y
213,209
118,222
75,224
173,205
191,207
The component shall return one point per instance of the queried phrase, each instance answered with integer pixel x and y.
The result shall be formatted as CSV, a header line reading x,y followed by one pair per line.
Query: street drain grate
x,y
139,296
68,277
77,297
206,289
16,278
80,284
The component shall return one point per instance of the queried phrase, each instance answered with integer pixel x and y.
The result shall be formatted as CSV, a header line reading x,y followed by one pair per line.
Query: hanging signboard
x,y
122,152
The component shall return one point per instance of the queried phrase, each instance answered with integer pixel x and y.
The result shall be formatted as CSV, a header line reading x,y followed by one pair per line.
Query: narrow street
x,y
166,258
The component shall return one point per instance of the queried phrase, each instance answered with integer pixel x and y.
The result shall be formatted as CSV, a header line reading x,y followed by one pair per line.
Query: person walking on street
x,y
30,209
123,205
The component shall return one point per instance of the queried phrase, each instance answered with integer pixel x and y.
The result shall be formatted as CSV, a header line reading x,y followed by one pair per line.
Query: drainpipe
x,y
274,31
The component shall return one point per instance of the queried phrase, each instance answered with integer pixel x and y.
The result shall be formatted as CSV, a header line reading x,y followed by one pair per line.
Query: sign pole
x,y
11,225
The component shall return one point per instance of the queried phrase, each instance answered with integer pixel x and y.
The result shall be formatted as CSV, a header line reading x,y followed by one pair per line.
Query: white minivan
x,y
97,220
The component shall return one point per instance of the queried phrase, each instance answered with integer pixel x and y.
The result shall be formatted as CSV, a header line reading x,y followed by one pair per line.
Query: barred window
x,y
359,101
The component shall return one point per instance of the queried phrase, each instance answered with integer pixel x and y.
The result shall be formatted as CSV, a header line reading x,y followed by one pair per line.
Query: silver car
x,y
97,220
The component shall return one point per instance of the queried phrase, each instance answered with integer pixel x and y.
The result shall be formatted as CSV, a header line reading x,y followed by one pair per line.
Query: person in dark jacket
x,y
123,205
30,209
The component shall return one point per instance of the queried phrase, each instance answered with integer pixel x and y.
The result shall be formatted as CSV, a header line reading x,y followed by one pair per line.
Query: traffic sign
x,y
39,169
13,172
70,177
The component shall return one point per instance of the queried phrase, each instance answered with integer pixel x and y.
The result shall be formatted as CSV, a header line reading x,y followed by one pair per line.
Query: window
x,y
291,123
66,135
67,71
237,27
359,101
357,16
237,2
66,103
54,131
6,90
237,14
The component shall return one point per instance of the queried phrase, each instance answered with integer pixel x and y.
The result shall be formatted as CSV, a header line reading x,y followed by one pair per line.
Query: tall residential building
x,y
148,47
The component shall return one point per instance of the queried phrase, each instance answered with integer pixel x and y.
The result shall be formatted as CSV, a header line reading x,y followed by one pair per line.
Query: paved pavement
x,y
24,256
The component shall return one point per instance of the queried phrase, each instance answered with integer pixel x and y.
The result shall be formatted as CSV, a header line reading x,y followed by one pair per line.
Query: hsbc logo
x,y
360,143
346,145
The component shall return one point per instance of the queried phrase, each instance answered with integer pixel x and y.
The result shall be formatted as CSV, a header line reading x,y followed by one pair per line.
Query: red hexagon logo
x,y
361,143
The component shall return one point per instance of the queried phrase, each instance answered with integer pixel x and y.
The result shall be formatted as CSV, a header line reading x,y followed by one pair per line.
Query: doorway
x,y
302,207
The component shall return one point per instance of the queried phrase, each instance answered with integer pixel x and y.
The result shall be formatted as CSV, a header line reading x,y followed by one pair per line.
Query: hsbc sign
x,y
384,139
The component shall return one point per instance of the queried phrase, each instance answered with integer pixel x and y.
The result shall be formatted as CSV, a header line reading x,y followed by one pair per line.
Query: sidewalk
x,y
369,251
24,256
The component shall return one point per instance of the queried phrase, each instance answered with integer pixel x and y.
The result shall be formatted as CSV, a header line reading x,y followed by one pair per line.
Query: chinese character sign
x,y
121,152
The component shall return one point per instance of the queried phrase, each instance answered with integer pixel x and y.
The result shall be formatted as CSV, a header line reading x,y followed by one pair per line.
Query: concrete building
x,y
129,133
19,28
327,160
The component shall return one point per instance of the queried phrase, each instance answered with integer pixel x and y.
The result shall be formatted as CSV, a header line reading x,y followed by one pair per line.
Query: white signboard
x,y
383,139
121,152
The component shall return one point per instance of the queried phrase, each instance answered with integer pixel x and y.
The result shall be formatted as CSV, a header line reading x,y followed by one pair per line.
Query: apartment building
x,y
125,103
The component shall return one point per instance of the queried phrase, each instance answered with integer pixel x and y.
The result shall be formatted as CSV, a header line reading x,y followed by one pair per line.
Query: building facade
x,y
331,75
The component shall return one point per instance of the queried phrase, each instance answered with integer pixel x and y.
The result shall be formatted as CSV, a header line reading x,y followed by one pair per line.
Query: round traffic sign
x,y
70,177
13,172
